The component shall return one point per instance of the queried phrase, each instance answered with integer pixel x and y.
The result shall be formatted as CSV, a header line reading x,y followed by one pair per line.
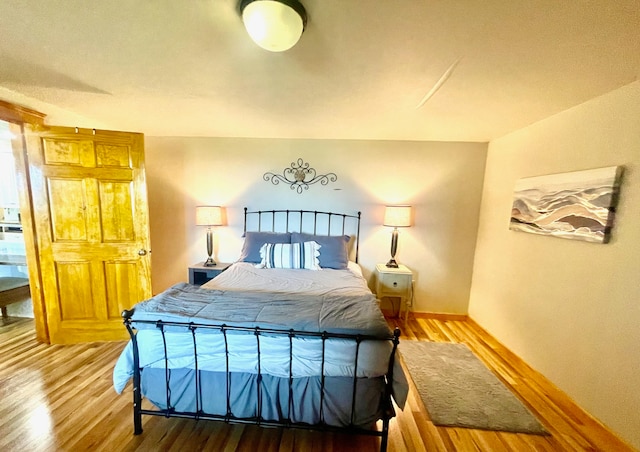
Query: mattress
x,y
244,276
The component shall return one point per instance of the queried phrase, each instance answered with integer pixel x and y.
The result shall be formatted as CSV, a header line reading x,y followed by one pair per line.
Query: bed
x,y
290,335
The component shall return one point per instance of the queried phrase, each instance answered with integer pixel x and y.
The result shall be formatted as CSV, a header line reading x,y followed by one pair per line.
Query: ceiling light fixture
x,y
275,25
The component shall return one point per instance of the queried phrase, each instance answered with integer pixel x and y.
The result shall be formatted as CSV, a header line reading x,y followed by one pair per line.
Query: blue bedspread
x,y
331,312
335,313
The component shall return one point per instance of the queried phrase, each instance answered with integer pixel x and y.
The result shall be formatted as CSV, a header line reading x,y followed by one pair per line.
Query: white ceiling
x,y
188,68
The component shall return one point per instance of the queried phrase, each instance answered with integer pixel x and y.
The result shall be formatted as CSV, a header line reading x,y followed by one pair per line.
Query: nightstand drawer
x,y
199,274
393,283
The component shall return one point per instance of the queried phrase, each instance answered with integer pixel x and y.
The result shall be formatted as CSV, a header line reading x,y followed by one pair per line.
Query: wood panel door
x,y
90,219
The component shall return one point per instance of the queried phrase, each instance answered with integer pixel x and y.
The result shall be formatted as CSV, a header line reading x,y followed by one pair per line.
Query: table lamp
x,y
396,217
209,216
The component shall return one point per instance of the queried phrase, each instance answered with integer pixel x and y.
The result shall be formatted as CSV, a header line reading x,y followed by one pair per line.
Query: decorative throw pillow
x,y
254,240
290,255
334,252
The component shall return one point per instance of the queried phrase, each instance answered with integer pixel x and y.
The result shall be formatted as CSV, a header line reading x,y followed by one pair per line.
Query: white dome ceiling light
x,y
275,25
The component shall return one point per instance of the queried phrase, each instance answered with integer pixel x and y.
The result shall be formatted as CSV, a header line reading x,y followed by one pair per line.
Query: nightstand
x,y
199,274
395,282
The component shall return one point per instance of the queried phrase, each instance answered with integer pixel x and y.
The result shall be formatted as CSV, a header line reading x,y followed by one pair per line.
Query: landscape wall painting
x,y
578,205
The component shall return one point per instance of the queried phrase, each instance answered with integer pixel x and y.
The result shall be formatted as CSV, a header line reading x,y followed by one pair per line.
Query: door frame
x,y
23,119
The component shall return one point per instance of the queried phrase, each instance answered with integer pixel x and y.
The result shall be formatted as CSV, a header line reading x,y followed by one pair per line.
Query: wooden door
x,y
90,219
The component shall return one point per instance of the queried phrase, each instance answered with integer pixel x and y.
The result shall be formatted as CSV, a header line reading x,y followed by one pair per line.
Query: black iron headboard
x,y
305,221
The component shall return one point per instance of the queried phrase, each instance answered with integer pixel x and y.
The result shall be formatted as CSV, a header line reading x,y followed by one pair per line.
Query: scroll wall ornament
x,y
300,176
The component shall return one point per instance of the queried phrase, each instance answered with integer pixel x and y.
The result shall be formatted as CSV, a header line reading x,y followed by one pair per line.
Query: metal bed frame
x,y
286,220
387,408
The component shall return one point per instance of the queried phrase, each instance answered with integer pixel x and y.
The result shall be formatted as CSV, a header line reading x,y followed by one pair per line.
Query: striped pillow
x,y
302,255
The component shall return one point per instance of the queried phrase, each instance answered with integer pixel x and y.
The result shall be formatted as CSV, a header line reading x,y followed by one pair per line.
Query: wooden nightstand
x,y
395,282
199,274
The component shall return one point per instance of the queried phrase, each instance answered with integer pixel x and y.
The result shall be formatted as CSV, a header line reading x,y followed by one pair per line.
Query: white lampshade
x,y
275,25
209,216
397,216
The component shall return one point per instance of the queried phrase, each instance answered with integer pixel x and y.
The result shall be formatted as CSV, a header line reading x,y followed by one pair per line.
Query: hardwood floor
x,y
55,397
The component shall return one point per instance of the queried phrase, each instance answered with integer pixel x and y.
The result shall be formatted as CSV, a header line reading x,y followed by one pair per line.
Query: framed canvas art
x,y
579,205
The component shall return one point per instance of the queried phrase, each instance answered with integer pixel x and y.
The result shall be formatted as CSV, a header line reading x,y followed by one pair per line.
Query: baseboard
x,y
426,315
439,316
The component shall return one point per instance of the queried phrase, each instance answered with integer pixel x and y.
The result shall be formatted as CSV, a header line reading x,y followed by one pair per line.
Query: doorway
x,y
14,275
84,218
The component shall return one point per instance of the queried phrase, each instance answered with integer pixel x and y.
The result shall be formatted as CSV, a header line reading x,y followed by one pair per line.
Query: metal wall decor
x,y
299,176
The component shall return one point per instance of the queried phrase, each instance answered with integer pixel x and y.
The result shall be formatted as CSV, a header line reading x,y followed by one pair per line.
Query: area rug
x,y
458,390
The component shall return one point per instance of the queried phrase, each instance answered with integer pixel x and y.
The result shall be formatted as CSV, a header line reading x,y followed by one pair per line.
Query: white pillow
x,y
302,255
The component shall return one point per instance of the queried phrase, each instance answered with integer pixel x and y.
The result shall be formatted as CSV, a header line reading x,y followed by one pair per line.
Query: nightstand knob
x,y
395,284
142,252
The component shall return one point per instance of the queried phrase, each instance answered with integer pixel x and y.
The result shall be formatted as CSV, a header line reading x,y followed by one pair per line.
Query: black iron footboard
x,y
386,408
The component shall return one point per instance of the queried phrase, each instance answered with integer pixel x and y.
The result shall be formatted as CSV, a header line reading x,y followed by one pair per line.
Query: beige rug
x,y
458,390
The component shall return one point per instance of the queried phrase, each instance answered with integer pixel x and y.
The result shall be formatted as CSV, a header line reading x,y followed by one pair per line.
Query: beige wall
x,y
571,309
443,181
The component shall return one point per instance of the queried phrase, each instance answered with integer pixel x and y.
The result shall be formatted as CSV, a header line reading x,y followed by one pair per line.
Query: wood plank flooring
x,y
60,398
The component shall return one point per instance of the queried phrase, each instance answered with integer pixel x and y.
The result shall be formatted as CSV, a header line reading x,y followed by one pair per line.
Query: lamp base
x,y
394,247
209,262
